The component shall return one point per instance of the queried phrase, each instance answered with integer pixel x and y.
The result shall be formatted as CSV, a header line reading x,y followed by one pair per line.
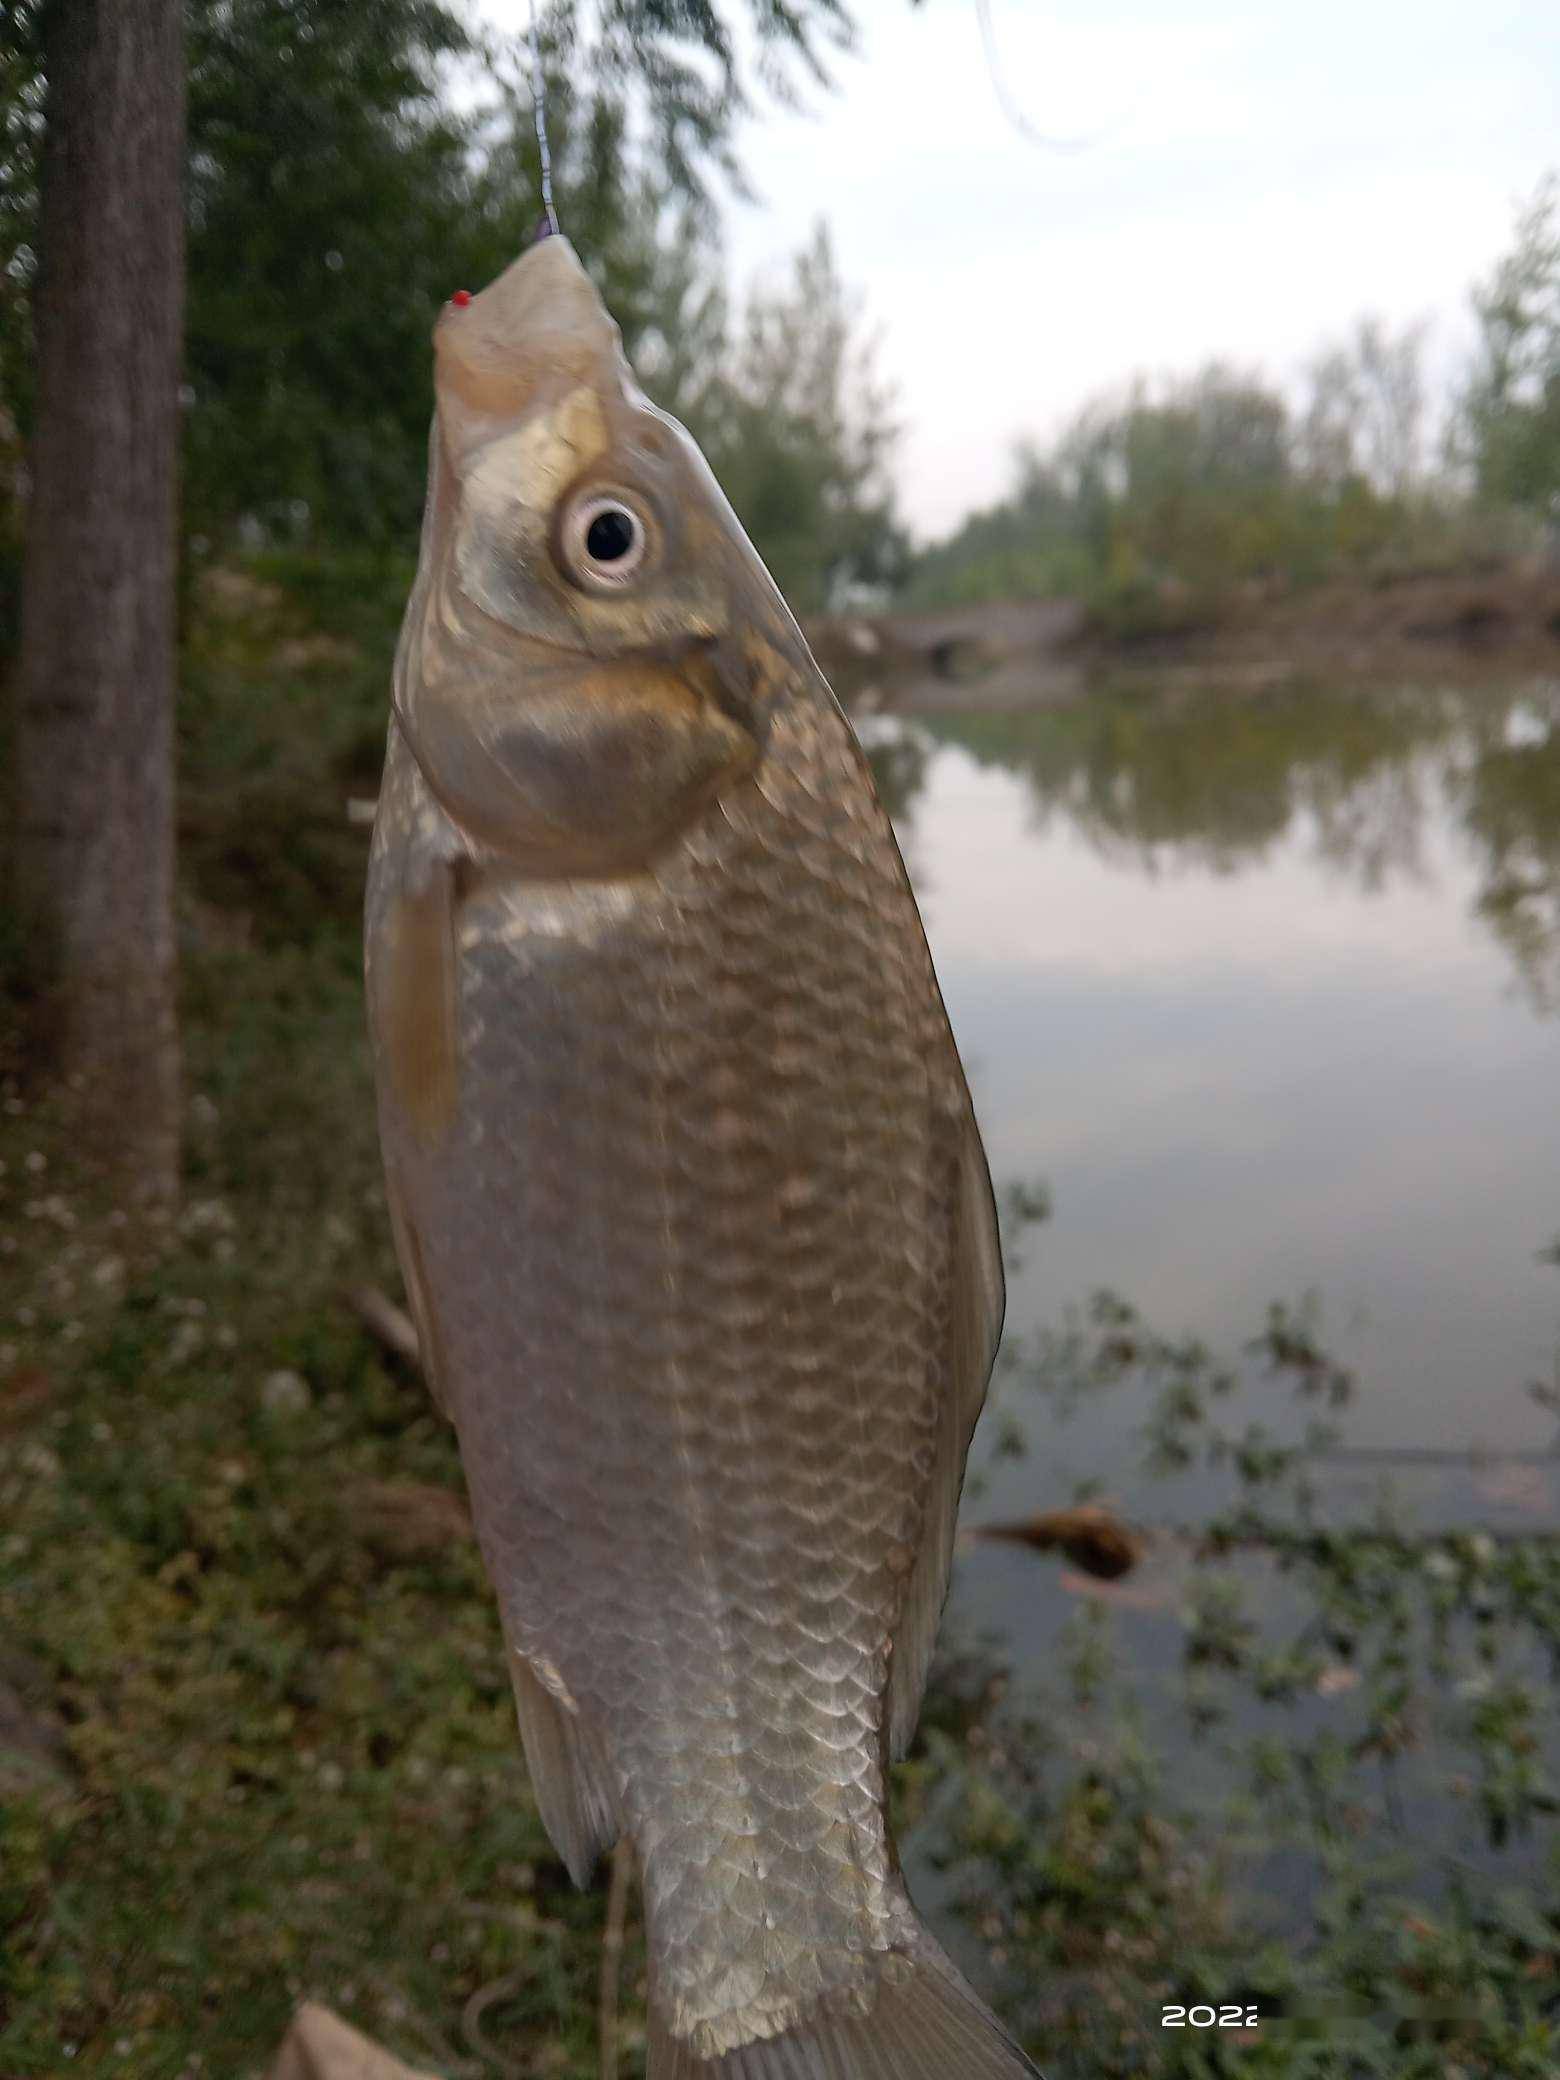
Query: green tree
x,y
326,187
1363,421
682,328
1031,545
800,433
1510,410
339,189
1189,485
334,197
1156,502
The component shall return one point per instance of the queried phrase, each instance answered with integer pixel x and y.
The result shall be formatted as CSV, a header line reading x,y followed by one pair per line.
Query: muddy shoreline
x,y
1041,653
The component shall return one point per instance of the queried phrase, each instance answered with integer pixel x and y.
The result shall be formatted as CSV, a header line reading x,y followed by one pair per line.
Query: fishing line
x,y
539,110
1010,107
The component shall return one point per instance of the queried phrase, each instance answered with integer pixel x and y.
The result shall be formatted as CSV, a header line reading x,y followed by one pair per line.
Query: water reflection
x,y
1261,987
1257,984
1219,780
1512,806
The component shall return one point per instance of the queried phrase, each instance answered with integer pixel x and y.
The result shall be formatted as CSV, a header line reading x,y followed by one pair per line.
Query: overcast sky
x,y
1254,177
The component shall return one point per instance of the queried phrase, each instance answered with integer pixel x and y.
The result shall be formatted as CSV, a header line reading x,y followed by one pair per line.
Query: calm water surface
x,y
1264,989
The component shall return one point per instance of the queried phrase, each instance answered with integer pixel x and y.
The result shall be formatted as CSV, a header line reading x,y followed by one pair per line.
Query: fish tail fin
x,y
925,2024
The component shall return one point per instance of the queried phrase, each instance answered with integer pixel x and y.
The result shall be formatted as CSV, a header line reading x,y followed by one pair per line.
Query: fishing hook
x,y
539,111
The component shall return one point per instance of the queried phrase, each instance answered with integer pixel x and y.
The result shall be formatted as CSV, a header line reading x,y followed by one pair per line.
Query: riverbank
x,y
1037,653
256,1739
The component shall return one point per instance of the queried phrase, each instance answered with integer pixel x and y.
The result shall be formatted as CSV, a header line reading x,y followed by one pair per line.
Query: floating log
x,y
1088,1535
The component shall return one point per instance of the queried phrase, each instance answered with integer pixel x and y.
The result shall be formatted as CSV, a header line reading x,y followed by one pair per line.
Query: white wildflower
x,y
285,1393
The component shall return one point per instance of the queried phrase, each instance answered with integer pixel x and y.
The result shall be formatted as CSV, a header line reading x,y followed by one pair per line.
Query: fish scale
x,y
690,1200
631,1216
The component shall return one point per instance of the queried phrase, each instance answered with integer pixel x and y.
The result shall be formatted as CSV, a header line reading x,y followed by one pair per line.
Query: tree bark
x,y
94,852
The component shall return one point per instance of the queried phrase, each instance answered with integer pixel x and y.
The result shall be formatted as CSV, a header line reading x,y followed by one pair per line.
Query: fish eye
x,y
603,540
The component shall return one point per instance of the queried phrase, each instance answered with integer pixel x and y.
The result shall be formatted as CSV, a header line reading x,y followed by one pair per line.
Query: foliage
x,y
1358,1840
1511,407
279,1750
1158,504
664,50
1181,495
337,200
1032,544
328,199
350,165
1363,420
799,431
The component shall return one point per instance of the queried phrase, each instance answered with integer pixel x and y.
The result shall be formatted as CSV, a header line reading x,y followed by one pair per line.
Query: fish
x,y
688,1194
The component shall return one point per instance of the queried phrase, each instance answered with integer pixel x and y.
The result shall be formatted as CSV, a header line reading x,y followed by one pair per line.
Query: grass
x,y
275,1750
262,1742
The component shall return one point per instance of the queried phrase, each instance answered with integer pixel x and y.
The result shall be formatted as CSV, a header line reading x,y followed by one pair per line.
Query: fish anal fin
x,y
414,1275
975,1329
570,1773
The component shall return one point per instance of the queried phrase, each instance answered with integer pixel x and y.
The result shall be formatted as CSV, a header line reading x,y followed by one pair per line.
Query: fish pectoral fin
x,y
570,1773
417,986
975,1331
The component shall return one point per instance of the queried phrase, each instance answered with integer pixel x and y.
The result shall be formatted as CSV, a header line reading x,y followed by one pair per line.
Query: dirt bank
x,y
1034,653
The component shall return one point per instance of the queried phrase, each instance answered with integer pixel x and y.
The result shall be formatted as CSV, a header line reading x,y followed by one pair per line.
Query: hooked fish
x,y
688,1194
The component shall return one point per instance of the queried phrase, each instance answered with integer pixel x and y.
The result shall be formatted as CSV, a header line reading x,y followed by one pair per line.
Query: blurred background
x,y
1154,415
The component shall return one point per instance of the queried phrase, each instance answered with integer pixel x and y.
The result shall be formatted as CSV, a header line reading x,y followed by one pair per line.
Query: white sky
x,y
1256,176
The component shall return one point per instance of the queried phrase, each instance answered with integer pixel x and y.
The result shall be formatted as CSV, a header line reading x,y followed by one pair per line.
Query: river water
x,y
1262,989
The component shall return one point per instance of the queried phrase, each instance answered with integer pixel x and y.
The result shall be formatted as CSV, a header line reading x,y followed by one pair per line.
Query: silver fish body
x,y
693,1213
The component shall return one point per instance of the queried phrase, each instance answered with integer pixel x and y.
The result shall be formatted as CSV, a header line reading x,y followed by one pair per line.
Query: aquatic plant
x,y
1343,1819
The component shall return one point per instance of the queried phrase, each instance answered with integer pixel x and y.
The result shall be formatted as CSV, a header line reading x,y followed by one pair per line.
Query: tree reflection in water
x,y
1164,778
1513,810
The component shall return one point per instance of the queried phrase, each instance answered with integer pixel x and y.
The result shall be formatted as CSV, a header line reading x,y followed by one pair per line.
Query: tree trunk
x,y
95,680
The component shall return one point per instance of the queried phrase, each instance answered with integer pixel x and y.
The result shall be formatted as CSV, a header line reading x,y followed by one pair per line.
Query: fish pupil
x,y
610,535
